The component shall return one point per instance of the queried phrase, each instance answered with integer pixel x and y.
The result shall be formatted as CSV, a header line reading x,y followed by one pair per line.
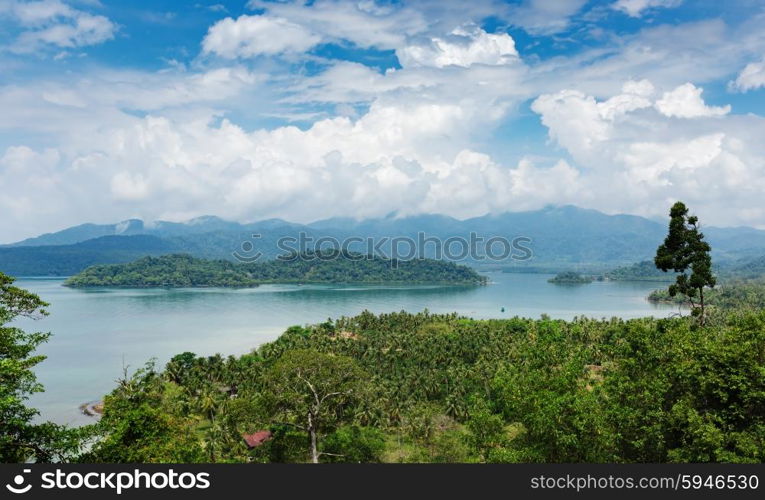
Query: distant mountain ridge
x,y
65,260
563,237
130,227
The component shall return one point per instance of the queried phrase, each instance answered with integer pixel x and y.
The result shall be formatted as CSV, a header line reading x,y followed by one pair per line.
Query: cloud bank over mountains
x,y
272,118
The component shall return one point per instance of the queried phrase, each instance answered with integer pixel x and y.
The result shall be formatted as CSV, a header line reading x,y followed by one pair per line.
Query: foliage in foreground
x,y
442,388
21,439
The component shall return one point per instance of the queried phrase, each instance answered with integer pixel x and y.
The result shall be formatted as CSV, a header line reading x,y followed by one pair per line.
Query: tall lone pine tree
x,y
684,249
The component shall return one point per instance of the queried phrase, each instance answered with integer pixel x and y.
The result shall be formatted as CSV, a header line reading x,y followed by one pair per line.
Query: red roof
x,y
257,438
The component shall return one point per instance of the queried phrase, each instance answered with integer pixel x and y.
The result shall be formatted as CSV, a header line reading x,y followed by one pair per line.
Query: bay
x,y
98,332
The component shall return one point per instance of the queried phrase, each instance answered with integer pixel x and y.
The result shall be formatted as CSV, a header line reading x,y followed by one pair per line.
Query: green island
x,y
180,270
570,277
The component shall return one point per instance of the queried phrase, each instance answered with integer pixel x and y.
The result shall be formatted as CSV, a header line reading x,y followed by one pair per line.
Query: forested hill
x,y
746,268
67,260
640,271
346,267
180,270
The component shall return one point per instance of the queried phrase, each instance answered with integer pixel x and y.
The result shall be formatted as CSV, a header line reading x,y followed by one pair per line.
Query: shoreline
x,y
92,408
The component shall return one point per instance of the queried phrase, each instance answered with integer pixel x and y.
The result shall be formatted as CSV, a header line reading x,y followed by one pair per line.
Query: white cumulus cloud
x,y
639,159
685,102
579,122
462,47
249,36
440,134
750,78
407,158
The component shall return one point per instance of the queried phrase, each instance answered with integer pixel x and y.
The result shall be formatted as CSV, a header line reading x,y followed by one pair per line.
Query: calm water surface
x,y
96,332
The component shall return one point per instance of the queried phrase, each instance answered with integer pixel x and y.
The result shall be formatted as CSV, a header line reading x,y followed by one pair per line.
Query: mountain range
x,y
562,237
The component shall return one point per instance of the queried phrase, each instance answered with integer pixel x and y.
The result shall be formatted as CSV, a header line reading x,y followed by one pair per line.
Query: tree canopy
x,y
321,267
684,250
21,439
427,387
310,389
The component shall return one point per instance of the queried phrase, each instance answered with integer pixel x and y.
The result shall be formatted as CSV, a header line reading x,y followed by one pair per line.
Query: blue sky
x,y
306,110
